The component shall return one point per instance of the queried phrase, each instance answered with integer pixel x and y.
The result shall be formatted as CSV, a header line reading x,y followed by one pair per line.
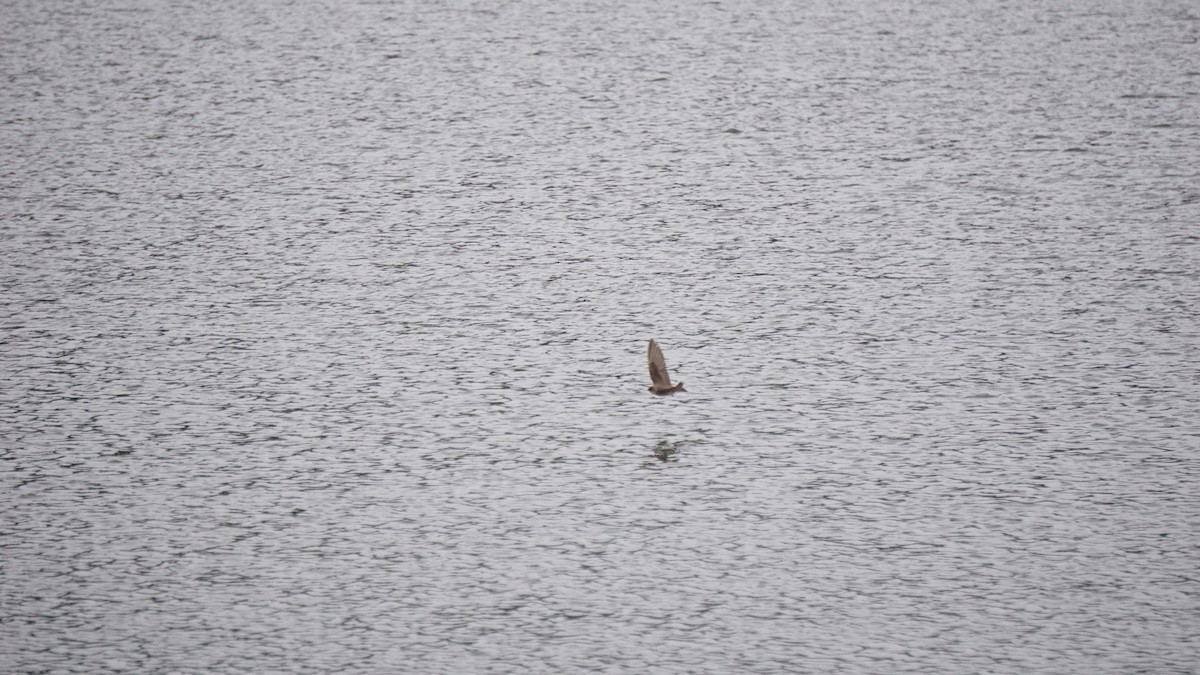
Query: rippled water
x,y
324,336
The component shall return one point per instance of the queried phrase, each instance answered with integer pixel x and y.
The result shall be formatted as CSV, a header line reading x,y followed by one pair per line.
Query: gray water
x,y
324,331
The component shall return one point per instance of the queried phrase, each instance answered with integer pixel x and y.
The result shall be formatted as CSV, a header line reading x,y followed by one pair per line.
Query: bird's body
x,y
660,379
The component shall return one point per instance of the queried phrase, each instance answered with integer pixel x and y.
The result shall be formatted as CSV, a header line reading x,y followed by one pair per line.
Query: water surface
x,y
323,337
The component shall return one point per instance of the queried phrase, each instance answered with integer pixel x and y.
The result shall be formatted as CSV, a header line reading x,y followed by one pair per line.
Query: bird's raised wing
x,y
658,366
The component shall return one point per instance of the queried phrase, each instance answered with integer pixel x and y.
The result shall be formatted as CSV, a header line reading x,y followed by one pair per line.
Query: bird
x,y
658,372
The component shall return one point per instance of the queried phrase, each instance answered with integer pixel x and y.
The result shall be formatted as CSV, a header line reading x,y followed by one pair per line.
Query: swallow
x,y
658,372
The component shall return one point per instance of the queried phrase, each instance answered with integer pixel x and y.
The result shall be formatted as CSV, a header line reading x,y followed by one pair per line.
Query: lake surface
x,y
323,332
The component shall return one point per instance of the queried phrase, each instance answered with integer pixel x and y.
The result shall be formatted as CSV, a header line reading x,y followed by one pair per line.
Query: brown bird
x,y
658,372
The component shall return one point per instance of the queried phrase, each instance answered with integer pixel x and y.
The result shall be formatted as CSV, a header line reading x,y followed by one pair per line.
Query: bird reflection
x,y
664,450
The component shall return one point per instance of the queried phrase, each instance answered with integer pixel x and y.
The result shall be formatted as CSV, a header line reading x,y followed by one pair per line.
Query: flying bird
x,y
658,372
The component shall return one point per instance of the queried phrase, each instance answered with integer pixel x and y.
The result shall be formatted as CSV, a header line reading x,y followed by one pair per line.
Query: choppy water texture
x,y
324,332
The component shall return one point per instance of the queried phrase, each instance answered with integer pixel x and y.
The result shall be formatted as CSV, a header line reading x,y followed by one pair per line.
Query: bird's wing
x,y
658,366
